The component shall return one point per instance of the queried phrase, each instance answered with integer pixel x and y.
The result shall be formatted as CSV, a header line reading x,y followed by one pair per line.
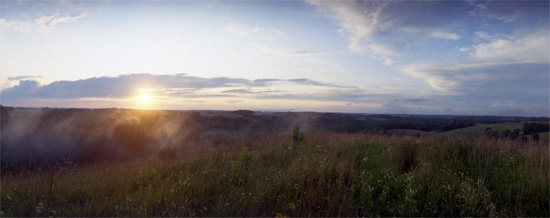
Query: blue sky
x,y
416,57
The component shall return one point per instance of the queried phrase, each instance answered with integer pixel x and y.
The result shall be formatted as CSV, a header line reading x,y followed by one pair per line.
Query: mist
x,y
40,137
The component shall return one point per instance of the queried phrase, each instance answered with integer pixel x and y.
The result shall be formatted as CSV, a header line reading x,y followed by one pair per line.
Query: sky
x,y
390,57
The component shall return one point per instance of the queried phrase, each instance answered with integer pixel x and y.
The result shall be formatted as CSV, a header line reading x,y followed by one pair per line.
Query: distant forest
x,y
45,135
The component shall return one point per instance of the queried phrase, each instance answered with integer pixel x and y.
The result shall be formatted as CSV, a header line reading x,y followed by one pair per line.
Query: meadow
x,y
298,174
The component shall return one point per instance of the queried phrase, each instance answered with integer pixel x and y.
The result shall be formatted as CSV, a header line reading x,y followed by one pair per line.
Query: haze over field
x,y
420,57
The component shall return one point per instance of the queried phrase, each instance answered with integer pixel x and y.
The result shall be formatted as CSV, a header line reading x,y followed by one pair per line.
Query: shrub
x,y
298,136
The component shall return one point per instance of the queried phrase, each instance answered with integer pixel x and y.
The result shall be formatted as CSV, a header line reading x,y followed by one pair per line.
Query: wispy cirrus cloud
x,y
43,24
280,52
246,30
387,28
49,22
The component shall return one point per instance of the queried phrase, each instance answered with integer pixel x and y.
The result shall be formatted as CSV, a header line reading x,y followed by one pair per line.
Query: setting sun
x,y
145,98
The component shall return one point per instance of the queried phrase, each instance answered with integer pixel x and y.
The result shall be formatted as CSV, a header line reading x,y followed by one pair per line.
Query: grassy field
x,y
319,175
409,132
479,129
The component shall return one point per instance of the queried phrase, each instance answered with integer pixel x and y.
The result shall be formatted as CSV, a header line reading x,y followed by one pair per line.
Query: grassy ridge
x,y
325,175
479,129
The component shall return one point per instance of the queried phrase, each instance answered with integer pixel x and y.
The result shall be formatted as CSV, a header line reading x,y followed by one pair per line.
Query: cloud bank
x,y
292,92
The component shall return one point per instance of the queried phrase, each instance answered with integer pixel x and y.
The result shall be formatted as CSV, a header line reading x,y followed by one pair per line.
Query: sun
x,y
145,98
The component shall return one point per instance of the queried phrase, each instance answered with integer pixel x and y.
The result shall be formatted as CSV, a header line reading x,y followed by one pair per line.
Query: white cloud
x,y
14,25
388,28
48,23
358,22
445,35
500,58
533,48
462,49
388,61
384,49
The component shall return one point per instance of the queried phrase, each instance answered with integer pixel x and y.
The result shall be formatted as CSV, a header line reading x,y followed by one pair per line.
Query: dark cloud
x,y
414,100
121,86
396,108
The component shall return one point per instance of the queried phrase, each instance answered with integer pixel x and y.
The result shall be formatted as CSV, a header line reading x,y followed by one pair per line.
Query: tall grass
x,y
324,175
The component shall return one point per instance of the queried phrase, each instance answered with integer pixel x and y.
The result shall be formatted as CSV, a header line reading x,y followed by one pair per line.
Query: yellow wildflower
x,y
292,206
280,215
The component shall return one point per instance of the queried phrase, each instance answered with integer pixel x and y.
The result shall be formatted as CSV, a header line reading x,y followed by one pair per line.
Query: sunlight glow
x,y
145,98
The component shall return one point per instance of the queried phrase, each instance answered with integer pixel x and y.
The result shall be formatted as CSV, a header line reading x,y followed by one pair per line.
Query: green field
x,y
473,131
479,129
316,175
409,132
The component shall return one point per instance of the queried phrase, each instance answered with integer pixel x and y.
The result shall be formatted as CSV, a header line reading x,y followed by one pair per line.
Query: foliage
x,y
529,128
298,136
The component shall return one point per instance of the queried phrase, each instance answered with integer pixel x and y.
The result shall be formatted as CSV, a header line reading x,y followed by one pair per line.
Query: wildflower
x,y
280,215
291,206
8,197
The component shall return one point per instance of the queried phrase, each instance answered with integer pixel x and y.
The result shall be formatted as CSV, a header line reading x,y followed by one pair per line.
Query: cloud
x,y
507,108
396,108
357,20
510,11
184,89
444,35
415,100
49,22
245,30
304,81
240,29
245,91
389,28
121,86
14,25
532,48
16,78
174,86
284,52
525,58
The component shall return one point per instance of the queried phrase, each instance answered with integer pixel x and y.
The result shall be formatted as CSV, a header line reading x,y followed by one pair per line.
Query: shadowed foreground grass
x,y
321,175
